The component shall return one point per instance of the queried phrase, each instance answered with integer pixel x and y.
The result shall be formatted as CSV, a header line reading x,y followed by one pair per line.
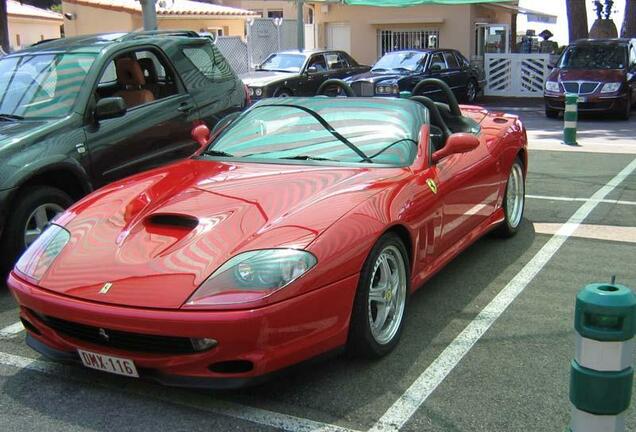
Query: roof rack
x,y
146,33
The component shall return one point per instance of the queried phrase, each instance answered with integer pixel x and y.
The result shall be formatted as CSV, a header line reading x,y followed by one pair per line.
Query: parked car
x,y
299,73
302,228
78,113
402,70
601,71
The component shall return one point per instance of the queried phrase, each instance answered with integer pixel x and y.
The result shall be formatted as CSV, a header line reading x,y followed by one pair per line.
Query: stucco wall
x,y
453,23
89,20
31,30
231,27
288,7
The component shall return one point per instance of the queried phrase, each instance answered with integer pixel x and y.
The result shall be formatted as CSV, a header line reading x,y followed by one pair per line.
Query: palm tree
x,y
577,19
629,21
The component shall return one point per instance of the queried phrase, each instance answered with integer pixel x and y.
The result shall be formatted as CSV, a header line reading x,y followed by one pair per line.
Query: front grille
x,y
580,87
135,342
363,88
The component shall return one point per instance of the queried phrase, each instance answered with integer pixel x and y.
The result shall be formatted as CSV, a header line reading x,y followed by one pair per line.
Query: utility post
x,y
4,26
150,14
300,25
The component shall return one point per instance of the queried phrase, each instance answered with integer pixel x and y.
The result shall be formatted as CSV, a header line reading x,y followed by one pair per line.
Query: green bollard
x,y
601,373
570,116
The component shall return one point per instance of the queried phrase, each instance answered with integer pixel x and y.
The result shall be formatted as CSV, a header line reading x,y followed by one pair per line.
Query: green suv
x,y
78,113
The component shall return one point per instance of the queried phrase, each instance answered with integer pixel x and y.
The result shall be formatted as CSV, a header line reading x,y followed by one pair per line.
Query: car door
x,y
437,68
469,184
215,88
313,74
150,133
455,76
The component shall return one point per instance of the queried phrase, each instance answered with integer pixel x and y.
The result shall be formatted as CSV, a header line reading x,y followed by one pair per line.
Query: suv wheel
x,y
33,210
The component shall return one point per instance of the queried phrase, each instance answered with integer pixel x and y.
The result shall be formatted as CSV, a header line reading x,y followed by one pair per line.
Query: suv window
x,y
158,79
451,61
209,62
438,59
336,61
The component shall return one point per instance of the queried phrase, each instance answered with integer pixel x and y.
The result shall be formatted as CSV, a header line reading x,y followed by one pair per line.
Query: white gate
x,y
518,75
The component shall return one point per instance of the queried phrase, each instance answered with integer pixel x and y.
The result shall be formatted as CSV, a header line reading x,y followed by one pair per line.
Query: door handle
x,y
185,107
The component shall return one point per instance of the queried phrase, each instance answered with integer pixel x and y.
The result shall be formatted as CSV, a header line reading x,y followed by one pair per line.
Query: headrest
x,y
129,72
148,68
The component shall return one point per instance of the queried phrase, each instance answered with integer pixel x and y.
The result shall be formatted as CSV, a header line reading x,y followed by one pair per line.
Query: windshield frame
x,y
80,96
306,162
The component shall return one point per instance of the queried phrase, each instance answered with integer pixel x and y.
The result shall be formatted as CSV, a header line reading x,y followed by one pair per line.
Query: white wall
x,y
557,7
31,30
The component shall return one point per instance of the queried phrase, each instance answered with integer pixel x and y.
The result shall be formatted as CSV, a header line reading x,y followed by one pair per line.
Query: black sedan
x,y
402,70
299,73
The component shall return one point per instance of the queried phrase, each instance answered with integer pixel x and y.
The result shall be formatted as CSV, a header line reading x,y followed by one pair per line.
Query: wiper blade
x,y
307,157
10,117
213,152
378,70
403,69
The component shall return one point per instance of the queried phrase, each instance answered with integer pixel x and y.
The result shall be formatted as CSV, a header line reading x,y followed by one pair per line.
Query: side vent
x,y
177,221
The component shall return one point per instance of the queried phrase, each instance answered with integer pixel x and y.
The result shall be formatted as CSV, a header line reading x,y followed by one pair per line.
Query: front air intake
x,y
173,221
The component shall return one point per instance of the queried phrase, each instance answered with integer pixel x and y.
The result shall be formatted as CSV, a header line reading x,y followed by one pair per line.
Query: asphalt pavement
x,y
486,347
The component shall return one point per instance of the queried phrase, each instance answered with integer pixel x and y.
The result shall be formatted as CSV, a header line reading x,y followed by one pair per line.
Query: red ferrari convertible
x,y
300,229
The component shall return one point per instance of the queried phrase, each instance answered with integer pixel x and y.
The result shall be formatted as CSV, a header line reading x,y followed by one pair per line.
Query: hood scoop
x,y
171,221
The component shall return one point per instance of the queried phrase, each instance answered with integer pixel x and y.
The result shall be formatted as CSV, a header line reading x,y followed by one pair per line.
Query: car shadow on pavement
x,y
348,391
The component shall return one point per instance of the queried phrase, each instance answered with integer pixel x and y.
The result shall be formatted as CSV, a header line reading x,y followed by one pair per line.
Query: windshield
x,y
594,57
42,85
408,61
349,134
283,63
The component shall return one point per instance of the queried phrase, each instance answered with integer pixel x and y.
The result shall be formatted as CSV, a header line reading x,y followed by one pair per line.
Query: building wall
x,y
231,27
288,7
453,23
31,30
90,20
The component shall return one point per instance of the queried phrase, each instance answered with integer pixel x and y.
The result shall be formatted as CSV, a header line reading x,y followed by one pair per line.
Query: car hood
x,y
602,75
14,132
376,77
157,236
263,78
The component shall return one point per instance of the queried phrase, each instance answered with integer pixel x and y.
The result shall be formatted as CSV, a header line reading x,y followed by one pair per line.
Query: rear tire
x,y
379,308
514,201
551,113
48,200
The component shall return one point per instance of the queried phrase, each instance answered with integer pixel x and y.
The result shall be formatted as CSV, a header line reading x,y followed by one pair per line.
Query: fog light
x,y
203,344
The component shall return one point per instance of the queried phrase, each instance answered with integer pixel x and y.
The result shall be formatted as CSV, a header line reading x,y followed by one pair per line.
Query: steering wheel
x,y
436,117
337,83
441,85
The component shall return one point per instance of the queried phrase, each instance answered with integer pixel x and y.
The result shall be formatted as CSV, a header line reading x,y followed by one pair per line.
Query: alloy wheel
x,y
515,196
38,220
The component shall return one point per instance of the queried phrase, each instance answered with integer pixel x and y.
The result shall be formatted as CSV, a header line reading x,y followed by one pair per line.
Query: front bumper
x,y
270,338
591,103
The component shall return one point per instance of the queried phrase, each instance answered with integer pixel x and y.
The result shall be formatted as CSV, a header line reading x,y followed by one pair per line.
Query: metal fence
x,y
235,52
394,40
520,75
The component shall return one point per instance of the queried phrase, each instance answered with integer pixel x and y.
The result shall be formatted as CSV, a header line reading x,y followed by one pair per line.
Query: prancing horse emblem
x,y
104,335
432,185
105,288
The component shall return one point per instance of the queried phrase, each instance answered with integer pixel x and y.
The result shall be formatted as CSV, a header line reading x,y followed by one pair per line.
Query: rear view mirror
x,y
201,134
312,69
435,68
110,107
456,143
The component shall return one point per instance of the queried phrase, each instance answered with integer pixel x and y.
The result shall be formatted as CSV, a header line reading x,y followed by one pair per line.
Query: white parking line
x,y
613,233
218,407
11,331
561,198
407,404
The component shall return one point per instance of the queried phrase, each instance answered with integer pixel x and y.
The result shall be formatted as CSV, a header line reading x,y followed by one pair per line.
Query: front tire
x,y
514,201
380,304
471,92
33,210
626,112
284,93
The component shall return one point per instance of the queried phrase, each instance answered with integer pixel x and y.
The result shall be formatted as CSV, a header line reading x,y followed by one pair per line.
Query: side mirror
x,y
312,70
110,107
456,143
435,68
201,134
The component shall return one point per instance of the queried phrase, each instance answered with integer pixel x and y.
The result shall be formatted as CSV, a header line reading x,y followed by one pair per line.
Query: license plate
x,y
115,365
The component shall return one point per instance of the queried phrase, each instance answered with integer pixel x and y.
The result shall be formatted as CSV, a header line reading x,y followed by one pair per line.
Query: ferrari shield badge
x,y
105,288
432,185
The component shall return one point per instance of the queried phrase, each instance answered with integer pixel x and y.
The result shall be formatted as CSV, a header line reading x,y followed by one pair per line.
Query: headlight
x,y
251,91
258,92
251,276
387,89
610,87
42,252
552,86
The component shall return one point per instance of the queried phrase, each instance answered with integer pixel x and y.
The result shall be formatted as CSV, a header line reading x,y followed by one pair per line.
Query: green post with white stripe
x,y
570,117
601,373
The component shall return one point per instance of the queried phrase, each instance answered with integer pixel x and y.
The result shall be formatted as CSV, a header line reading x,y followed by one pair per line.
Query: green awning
x,y
405,3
